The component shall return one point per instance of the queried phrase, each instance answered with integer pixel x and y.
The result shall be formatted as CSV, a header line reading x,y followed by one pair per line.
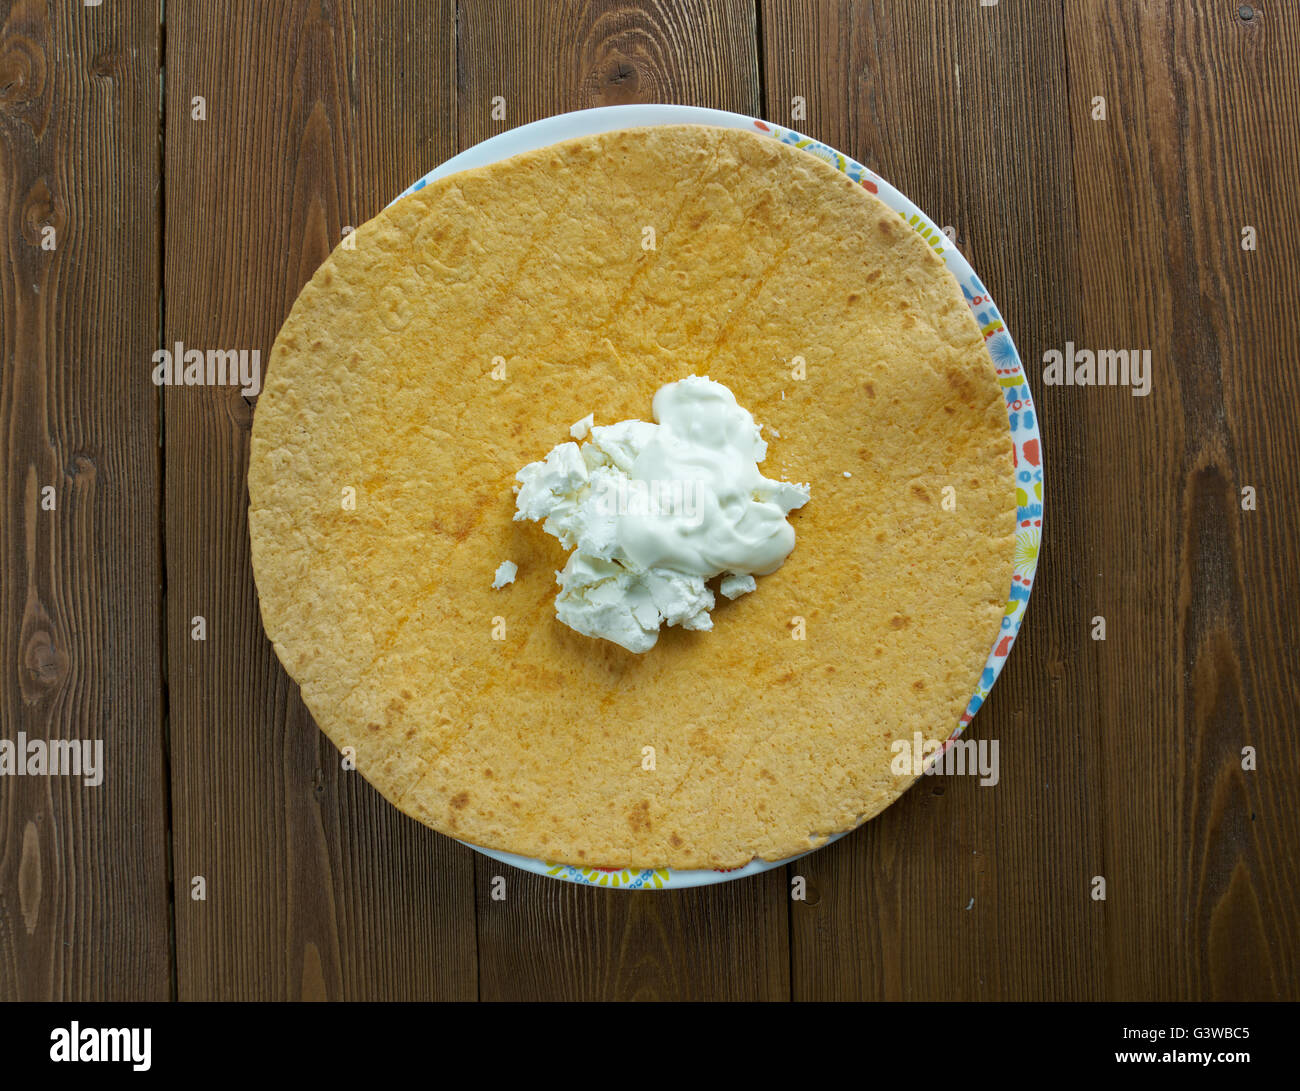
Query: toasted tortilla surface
x,y
384,450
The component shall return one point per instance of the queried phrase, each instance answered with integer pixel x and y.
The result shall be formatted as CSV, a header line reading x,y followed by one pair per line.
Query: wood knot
x,y
104,64
43,664
42,658
22,71
81,468
41,209
621,72
614,78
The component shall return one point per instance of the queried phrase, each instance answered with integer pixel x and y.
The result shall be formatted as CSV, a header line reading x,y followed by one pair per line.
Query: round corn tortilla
x,y
384,451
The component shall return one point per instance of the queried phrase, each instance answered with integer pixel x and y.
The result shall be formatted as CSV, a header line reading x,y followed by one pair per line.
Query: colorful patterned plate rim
x,y
1021,416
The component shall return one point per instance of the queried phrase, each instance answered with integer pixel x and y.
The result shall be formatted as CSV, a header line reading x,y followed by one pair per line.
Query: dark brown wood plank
x,y
83,869
1201,660
317,115
546,59
548,939
960,891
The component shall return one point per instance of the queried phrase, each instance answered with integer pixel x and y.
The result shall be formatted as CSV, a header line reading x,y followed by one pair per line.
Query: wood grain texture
x,y
317,114
546,940
955,892
83,870
1119,758
1200,660
545,59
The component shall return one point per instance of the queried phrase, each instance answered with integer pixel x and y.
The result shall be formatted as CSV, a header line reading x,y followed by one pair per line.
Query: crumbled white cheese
x,y
734,586
506,573
605,599
652,511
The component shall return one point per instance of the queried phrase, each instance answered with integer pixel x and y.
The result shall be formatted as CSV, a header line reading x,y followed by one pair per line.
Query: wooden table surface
x,y
124,513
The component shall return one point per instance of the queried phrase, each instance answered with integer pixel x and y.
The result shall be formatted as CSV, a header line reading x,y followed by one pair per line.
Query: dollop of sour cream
x,y
653,511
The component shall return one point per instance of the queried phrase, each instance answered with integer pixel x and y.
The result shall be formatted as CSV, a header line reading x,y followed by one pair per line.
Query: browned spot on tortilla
x,y
961,383
460,800
705,742
639,817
